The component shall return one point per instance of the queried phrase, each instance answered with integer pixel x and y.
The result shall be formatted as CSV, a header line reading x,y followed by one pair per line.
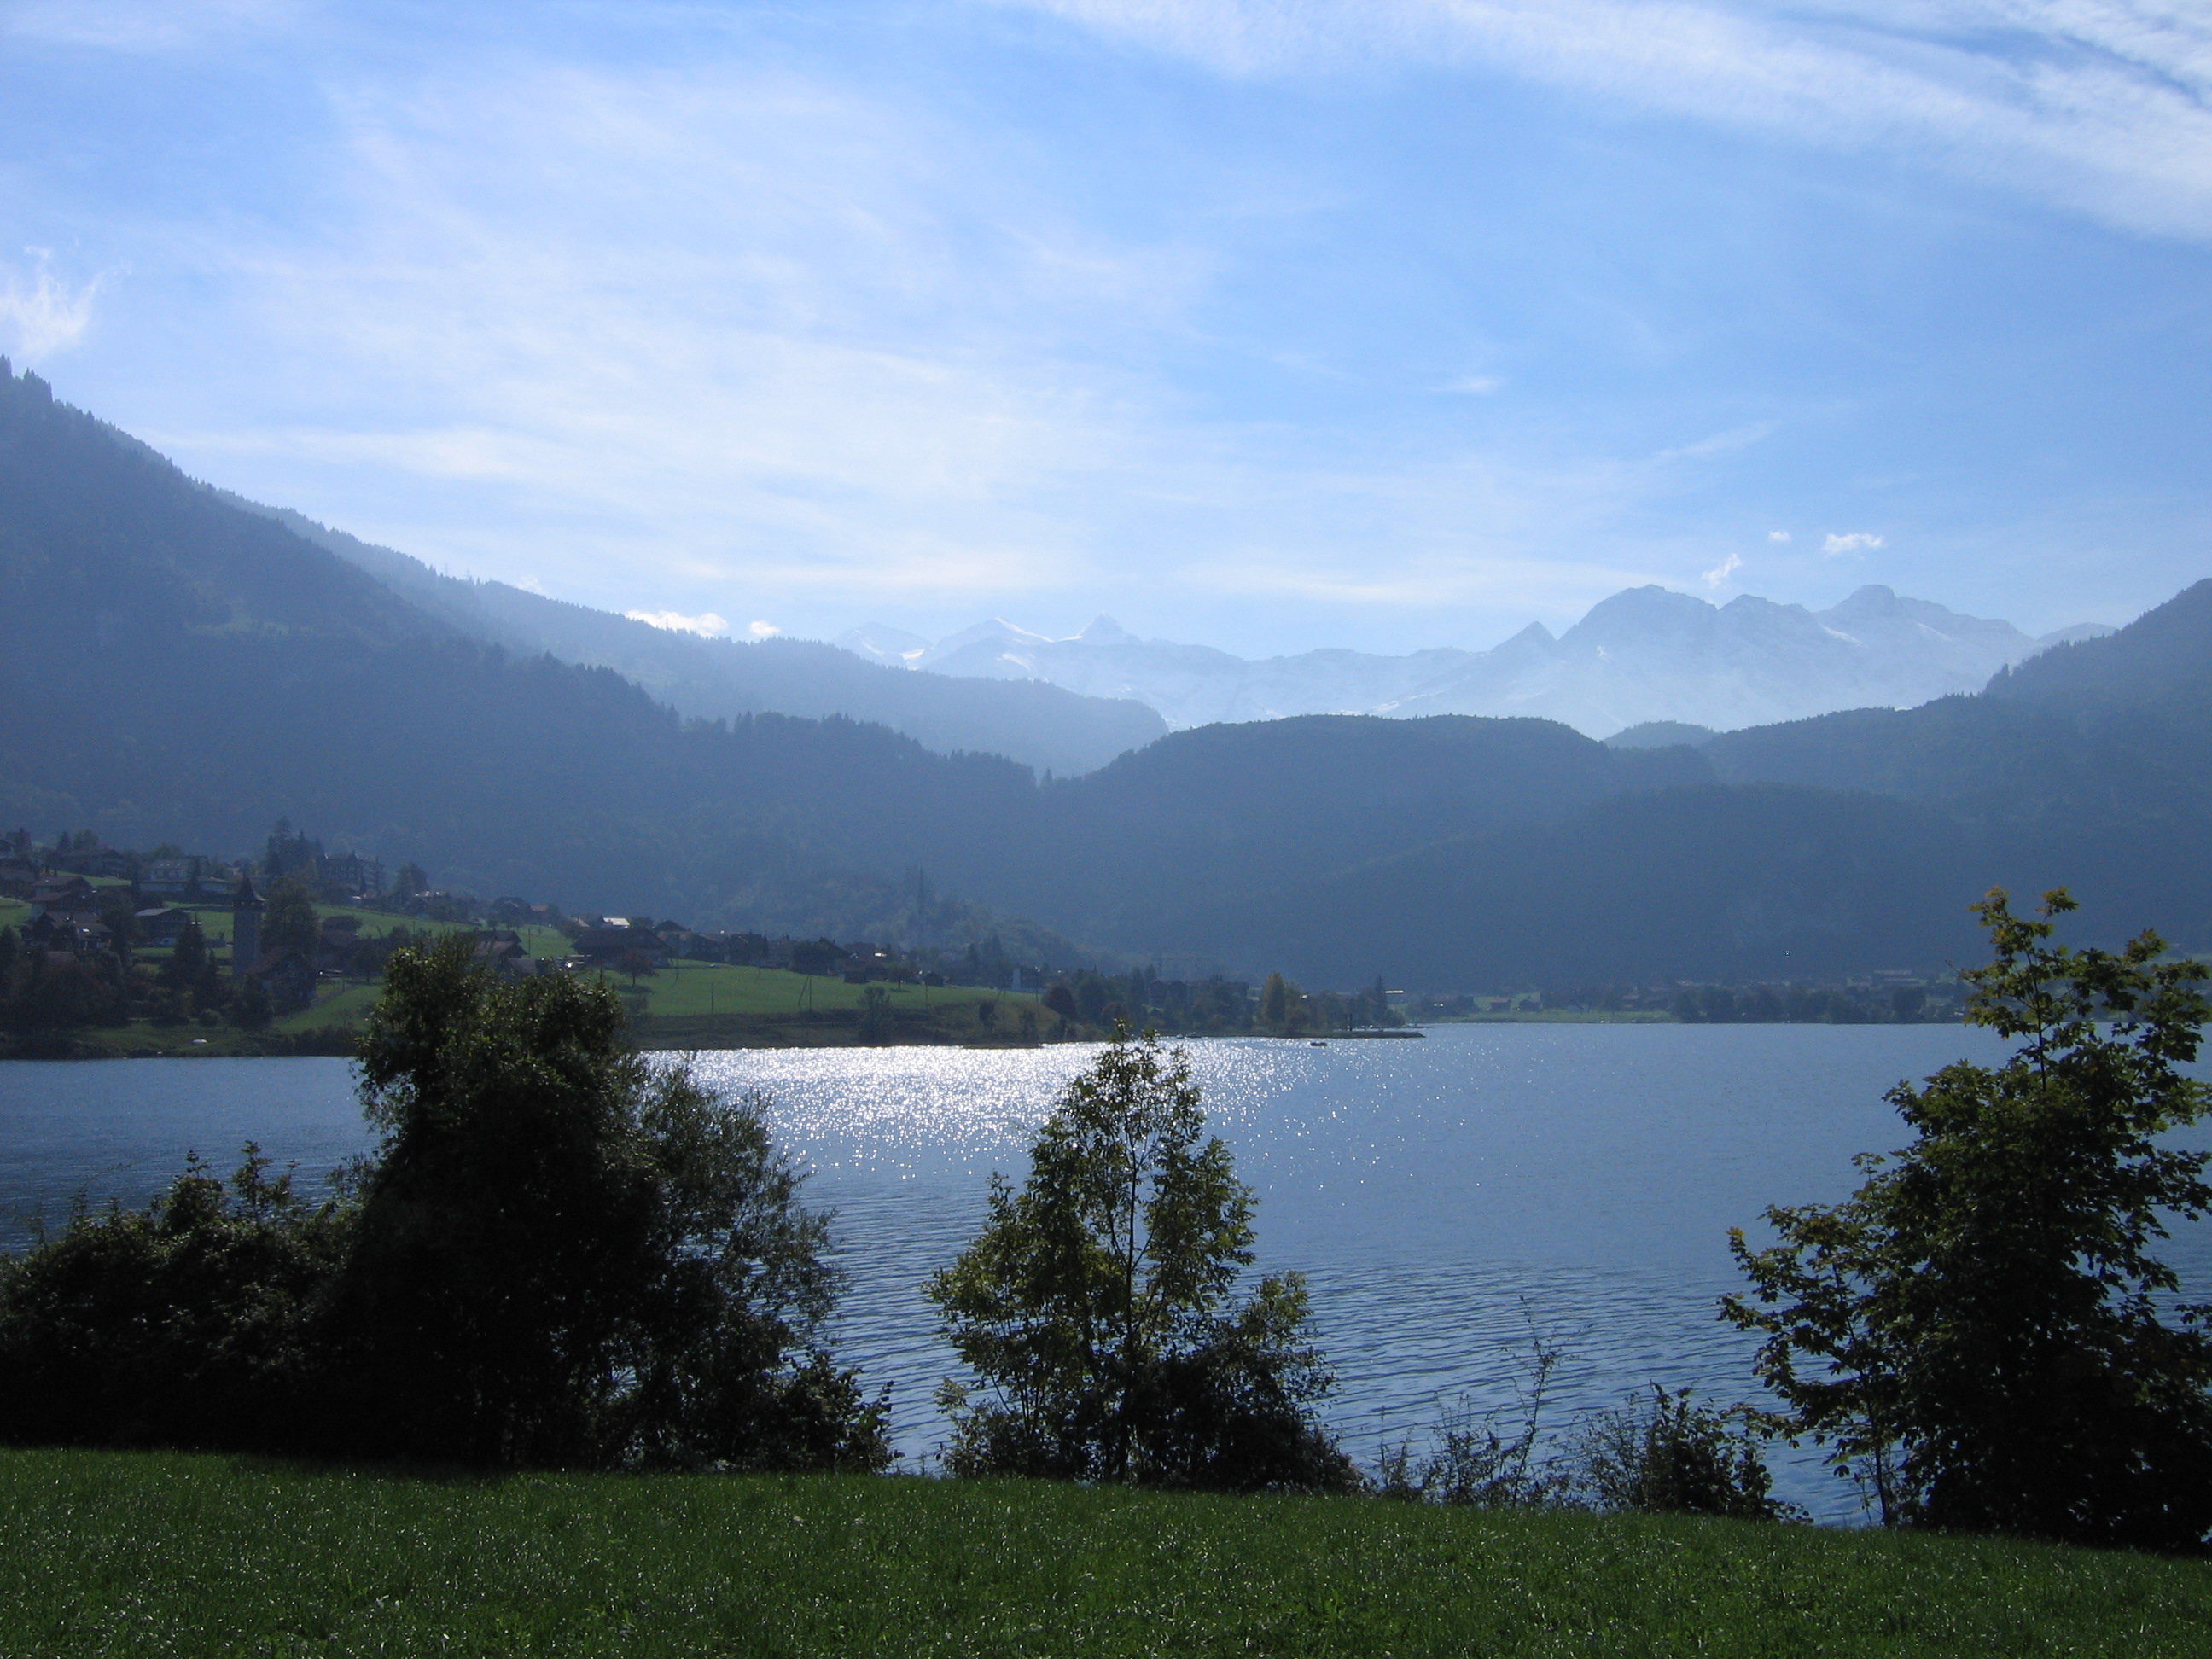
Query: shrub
x,y
1097,1307
189,1323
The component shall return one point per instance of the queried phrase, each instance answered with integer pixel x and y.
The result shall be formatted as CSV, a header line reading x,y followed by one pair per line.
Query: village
x,y
105,950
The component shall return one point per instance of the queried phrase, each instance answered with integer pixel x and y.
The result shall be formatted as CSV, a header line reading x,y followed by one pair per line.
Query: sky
x,y
1386,323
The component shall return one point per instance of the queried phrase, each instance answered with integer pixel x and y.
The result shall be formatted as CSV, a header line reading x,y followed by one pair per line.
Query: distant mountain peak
x,y
1645,655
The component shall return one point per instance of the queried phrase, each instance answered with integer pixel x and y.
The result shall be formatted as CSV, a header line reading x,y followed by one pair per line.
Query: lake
x,y
1441,1195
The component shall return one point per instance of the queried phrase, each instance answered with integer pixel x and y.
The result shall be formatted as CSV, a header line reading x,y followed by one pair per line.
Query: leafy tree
x,y
568,1254
1097,1305
875,1022
1062,1002
187,965
250,1007
1978,1331
119,913
289,921
187,1323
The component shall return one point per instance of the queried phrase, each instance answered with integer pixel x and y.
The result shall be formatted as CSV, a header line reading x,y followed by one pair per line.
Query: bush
x,y
191,1323
1671,1456
1096,1307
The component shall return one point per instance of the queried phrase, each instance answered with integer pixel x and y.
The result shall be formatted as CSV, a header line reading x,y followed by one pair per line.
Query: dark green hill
x,y
1268,811
2163,653
177,669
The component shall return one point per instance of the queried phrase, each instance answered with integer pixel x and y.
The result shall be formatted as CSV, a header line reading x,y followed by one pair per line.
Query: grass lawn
x,y
118,1554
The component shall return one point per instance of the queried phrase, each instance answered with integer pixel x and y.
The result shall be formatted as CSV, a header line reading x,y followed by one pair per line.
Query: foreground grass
x,y
116,1554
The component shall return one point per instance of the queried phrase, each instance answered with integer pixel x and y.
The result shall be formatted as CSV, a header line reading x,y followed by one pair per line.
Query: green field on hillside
x,y
158,1554
701,988
712,995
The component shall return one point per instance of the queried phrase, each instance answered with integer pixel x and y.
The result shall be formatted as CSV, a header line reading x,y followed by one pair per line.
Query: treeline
x,y
1937,1001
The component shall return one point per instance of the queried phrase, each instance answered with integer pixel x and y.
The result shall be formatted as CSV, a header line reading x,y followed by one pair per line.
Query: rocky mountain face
x,y
1643,655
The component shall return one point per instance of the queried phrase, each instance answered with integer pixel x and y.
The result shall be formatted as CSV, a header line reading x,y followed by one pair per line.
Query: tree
x,y
875,1024
1282,1006
289,921
568,1254
187,1324
1978,1330
1097,1305
188,967
250,1007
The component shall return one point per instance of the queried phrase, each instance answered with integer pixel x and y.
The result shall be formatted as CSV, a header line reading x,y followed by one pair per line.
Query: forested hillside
x,y
178,669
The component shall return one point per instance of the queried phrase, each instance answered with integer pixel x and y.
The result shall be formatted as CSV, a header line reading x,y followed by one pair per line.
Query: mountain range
x,y
1645,655
174,667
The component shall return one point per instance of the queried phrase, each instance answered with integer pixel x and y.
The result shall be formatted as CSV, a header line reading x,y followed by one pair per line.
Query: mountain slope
x,y
177,669
1039,725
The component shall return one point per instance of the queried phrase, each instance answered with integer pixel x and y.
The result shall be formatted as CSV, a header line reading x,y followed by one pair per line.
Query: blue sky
x,y
1390,324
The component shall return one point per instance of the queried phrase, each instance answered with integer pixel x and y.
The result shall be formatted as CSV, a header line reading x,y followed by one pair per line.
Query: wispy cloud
x,y
762,335
1780,538
1855,541
677,622
2104,106
142,25
41,315
1720,573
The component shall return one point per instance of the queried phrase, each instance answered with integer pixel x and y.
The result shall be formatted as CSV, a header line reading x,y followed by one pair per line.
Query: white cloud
x,y
2104,106
1721,572
140,25
1478,386
677,621
1851,542
1780,537
44,317
762,630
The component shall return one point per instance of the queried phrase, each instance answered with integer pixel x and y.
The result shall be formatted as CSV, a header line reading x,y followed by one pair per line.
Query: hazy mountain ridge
x,y
1646,654
1040,726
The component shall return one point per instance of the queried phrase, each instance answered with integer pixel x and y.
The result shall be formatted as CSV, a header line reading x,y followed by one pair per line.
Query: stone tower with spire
x,y
245,928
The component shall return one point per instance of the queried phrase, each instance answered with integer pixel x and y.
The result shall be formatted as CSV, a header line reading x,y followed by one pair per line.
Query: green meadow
x,y
114,1554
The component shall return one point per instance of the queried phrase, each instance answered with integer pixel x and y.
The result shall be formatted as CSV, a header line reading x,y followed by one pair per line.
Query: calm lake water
x,y
1440,1194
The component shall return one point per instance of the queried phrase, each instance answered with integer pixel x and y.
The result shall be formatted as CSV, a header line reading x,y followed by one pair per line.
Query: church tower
x,y
245,928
